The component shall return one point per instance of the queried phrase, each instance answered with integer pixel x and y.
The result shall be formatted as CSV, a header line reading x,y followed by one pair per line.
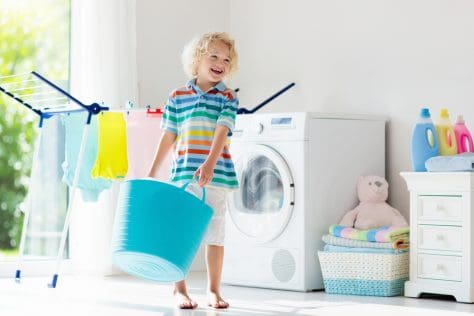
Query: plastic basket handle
x,y
184,186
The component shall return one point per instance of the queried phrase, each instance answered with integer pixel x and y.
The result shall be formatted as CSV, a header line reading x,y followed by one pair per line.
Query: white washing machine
x,y
297,174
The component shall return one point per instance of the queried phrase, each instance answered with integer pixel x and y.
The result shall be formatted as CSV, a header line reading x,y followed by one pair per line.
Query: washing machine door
x,y
262,206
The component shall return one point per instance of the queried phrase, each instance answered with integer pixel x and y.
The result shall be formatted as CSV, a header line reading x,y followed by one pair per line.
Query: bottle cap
x,y
460,119
425,113
443,113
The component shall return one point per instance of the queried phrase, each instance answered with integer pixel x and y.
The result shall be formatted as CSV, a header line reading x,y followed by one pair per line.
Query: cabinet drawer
x,y
440,237
440,208
440,267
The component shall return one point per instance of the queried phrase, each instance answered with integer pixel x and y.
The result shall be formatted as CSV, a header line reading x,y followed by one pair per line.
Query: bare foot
x,y
216,301
184,301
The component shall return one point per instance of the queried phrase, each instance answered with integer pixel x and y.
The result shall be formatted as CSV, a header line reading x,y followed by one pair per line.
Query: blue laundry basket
x,y
158,229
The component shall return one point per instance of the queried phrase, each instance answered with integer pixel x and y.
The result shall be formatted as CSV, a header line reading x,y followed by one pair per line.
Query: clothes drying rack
x,y
265,102
46,99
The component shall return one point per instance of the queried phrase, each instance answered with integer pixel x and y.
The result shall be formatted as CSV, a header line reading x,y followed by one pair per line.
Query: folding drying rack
x,y
46,99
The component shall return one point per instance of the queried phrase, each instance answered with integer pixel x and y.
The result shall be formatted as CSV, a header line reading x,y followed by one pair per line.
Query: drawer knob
x,y
440,267
440,208
439,237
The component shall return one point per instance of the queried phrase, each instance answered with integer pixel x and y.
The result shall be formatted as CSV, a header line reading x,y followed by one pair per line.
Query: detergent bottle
x,y
424,141
446,137
463,136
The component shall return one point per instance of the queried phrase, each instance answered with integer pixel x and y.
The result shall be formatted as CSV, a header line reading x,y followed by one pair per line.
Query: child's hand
x,y
205,173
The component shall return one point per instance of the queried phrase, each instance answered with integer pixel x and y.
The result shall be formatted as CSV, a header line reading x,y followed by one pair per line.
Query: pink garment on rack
x,y
143,136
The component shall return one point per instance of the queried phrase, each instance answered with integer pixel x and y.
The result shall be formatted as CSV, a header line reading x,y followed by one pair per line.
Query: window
x,y
34,35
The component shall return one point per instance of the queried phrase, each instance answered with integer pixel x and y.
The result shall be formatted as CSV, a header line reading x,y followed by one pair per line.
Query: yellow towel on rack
x,y
111,161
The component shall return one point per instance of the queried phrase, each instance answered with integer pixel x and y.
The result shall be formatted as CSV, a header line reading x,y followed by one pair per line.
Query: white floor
x,y
125,295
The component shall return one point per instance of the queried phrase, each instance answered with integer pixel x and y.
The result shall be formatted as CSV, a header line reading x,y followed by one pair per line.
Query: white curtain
x,y
103,69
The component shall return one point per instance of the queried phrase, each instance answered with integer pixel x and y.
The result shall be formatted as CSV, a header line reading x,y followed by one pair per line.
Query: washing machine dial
x,y
257,128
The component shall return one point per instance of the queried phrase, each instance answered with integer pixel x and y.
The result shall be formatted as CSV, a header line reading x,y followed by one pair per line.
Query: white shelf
x,y
441,234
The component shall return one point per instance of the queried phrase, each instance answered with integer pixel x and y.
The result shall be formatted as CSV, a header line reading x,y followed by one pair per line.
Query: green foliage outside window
x,y
34,35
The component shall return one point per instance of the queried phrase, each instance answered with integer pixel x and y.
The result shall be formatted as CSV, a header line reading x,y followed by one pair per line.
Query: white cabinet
x,y
441,234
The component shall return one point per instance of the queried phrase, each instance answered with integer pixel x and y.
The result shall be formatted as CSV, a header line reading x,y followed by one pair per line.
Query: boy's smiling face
x,y
214,65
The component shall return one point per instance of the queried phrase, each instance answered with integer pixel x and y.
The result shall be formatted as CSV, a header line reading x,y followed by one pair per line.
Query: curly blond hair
x,y
198,47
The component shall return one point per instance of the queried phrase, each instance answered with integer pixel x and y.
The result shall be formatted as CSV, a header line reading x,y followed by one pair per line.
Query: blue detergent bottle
x,y
424,141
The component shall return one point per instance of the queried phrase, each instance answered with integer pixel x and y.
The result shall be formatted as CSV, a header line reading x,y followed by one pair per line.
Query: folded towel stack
x,y
394,238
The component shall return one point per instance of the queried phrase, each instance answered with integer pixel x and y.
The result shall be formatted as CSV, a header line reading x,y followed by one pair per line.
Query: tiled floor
x,y
125,295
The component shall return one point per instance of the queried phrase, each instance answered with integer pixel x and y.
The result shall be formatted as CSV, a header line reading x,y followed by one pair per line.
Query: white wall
x,y
163,28
383,57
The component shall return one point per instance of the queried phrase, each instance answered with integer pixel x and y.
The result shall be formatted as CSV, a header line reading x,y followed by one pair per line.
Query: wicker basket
x,y
364,273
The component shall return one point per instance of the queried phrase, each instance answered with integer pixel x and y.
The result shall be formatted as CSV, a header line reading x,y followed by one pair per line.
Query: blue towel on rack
x,y
74,126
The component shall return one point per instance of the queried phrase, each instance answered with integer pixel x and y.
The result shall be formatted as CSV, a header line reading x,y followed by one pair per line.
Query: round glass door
x,y
261,208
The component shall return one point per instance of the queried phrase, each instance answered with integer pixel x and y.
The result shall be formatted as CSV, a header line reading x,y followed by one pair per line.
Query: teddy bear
x,y
373,211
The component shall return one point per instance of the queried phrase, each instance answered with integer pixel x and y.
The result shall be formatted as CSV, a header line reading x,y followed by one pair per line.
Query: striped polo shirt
x,y
193,115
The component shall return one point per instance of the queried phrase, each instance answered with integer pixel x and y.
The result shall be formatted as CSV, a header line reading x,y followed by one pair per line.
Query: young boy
x,y
198,120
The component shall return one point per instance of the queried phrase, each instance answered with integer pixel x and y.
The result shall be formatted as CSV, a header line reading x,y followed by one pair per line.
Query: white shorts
x,y
216,199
